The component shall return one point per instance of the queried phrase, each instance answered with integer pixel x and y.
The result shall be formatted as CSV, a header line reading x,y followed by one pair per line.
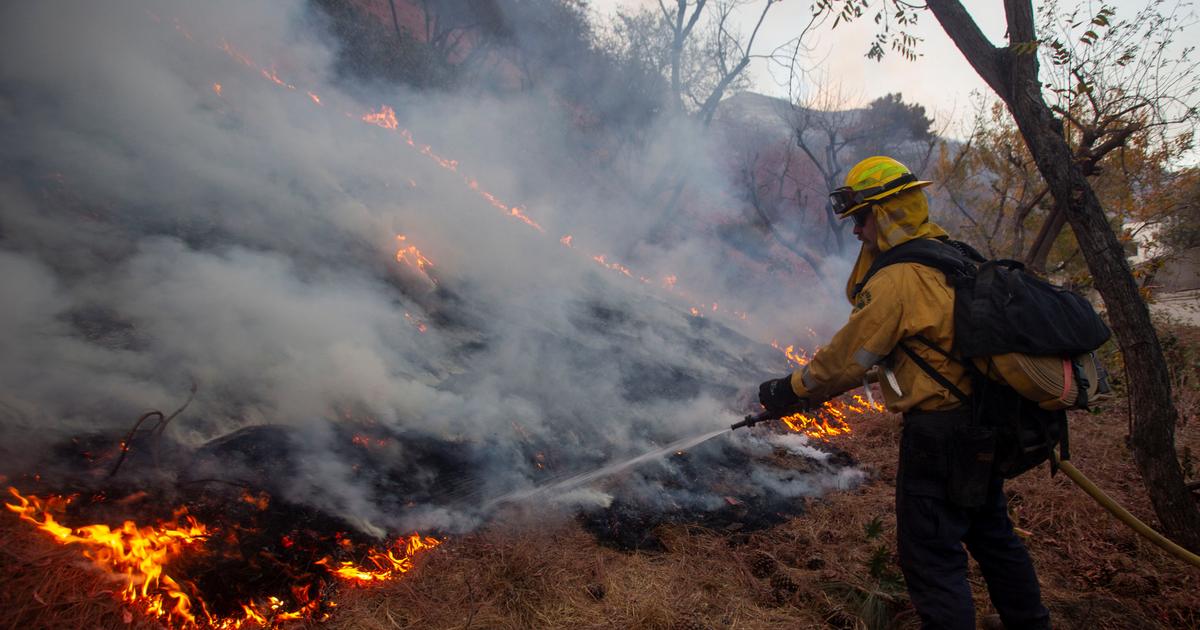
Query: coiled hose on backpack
x,y
1121,513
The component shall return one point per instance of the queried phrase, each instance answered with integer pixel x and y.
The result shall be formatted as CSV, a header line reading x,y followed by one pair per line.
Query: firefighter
x,y
899,302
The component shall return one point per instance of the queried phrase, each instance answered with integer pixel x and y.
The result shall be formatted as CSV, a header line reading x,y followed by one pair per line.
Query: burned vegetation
x,y
232,545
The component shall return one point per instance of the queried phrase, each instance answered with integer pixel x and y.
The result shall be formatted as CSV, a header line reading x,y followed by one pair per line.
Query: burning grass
x,y
816,569
812,570
832,566
829,564
234,574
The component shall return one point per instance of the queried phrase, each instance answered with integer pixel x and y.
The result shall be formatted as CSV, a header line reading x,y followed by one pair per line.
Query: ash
x,y
735,485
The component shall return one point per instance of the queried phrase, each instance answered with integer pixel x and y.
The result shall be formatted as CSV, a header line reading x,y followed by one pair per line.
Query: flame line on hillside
x,y
386,118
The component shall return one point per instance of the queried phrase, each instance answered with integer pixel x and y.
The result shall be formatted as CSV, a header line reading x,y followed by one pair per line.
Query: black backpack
x,y
1001,309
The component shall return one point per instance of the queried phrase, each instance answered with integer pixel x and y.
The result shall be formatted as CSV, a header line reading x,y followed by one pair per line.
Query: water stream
x,y
575,481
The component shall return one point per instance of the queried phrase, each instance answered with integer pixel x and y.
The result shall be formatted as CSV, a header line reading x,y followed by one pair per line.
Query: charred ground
x,y
813,568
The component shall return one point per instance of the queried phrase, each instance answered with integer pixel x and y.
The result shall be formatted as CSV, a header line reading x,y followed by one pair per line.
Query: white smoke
x,y
170,216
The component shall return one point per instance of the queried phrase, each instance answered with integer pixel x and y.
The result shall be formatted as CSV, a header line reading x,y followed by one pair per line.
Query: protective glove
x,y
777,395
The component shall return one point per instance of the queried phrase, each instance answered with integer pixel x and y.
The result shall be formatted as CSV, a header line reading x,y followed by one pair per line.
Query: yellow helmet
x,y
870,180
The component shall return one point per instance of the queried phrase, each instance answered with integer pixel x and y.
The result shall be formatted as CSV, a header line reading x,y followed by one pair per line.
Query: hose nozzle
x,y
753,419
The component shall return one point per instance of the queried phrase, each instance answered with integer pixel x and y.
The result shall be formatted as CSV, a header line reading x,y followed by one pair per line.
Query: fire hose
x,y
1080,480
1124,516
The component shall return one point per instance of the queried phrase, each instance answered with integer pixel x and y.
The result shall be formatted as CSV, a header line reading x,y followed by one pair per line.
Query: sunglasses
x,y
844,198
860,217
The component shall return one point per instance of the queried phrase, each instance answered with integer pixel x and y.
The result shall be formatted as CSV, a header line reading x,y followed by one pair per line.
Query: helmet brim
x,y
883,195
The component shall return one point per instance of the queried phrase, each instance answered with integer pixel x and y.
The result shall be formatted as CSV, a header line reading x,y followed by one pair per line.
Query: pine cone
x,y
783,585
763,564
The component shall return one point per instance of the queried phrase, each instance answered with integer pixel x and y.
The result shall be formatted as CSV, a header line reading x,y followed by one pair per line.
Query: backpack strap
x,y
934,374
1064,447
954,258
1069,372
1081,382
1049,446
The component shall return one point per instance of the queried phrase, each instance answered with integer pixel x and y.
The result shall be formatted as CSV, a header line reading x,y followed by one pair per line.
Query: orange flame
x,y
260,501
270,74
138,555
237,56
217,88
366,442
385,117
516,212
410,255
390,563
519,213
427,150
420,325
135,553
830,419
619,268
799,358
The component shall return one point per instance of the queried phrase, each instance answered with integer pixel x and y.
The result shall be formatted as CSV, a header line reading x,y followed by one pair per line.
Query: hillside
x,y
811,571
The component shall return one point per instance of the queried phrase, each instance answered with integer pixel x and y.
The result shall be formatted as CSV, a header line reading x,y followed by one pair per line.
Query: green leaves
x,y
874,529
879,562
851,9
887,13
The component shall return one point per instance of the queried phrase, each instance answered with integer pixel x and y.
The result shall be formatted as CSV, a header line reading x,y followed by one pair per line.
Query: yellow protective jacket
x,y
900,301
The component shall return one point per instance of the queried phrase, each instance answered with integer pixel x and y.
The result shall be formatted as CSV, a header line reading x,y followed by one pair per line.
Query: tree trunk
x,y
1014,77
1040,250
395,19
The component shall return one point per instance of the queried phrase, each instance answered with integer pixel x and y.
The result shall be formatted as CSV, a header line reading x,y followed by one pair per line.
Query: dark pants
x,y
931,531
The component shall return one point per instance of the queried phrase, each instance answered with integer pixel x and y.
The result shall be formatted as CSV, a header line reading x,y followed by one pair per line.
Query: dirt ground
x,y
832,567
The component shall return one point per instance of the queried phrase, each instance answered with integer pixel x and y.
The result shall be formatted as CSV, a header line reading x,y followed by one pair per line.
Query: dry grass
x,y
45,585
528,570
1095,572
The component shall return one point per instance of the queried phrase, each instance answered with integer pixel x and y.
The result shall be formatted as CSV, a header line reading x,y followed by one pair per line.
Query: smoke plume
x,y
191,196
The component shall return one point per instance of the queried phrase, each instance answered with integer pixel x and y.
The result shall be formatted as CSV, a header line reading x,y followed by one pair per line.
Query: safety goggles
x,y
860,217
845,198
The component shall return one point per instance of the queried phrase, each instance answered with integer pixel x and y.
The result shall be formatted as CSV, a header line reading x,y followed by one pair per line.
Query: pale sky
x,y
941,79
